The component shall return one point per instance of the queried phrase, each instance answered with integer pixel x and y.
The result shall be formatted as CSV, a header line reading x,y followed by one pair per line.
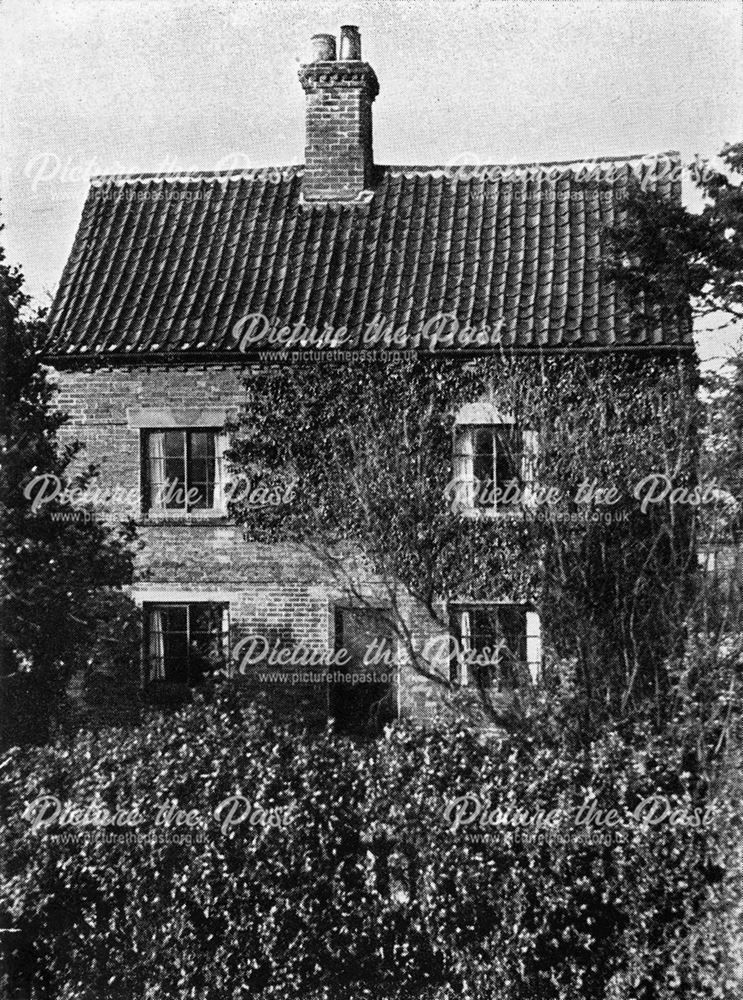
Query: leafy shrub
x,y
368,891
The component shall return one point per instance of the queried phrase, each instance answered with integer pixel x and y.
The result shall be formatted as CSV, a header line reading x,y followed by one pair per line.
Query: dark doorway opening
x,y
362,690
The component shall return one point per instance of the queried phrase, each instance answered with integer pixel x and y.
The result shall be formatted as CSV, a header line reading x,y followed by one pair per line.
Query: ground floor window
x,y
185,642
497,646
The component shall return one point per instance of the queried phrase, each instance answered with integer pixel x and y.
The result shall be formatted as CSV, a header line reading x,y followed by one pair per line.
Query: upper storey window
x,y
182,470
494,459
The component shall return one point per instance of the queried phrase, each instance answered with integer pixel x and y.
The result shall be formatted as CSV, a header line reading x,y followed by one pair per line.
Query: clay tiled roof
x,y
168,265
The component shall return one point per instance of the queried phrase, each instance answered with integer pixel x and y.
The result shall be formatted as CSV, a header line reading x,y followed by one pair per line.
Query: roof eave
x,y
196,358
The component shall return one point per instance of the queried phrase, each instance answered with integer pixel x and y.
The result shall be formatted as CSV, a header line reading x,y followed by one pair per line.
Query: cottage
x,y
177,284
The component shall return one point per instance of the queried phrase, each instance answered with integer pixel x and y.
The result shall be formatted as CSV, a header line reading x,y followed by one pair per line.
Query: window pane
x,y
175,470
484,641
483,466
512,627
186,642
154,473
497,644
201,469
156,655
484,440
205,617
455,646
484,624
175,643
201,490
202,444
207,641
176,657
175,618
507,456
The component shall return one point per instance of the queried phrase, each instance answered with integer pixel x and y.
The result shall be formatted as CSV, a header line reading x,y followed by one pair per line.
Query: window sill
x,y
493,514
502,696
167,694
178,517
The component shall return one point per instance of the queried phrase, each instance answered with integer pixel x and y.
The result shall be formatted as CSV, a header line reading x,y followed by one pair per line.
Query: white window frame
x,y
220,494
533,637
180,601
473,417
185,418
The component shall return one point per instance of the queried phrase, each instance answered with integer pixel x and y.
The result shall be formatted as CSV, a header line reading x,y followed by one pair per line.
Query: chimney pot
x,y
350,42
339,160
323,48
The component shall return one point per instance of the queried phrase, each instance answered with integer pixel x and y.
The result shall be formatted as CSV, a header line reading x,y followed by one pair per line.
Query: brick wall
x,y
338,151
274,590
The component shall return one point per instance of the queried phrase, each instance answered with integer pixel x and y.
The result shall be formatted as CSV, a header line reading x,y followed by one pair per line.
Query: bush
x,y
363,888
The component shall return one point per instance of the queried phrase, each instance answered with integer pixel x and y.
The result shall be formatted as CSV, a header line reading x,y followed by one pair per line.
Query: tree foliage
x,y
722,452
670,261
57,560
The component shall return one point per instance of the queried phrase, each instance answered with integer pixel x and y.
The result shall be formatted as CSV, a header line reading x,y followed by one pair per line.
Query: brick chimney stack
x,y
338,155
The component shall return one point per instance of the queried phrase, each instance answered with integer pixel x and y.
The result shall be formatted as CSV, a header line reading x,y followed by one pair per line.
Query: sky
x,y
99,86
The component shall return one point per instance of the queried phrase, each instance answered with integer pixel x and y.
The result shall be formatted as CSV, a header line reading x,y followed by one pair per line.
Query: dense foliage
x,y
671,261
57,559
369,450
722,452
368,888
